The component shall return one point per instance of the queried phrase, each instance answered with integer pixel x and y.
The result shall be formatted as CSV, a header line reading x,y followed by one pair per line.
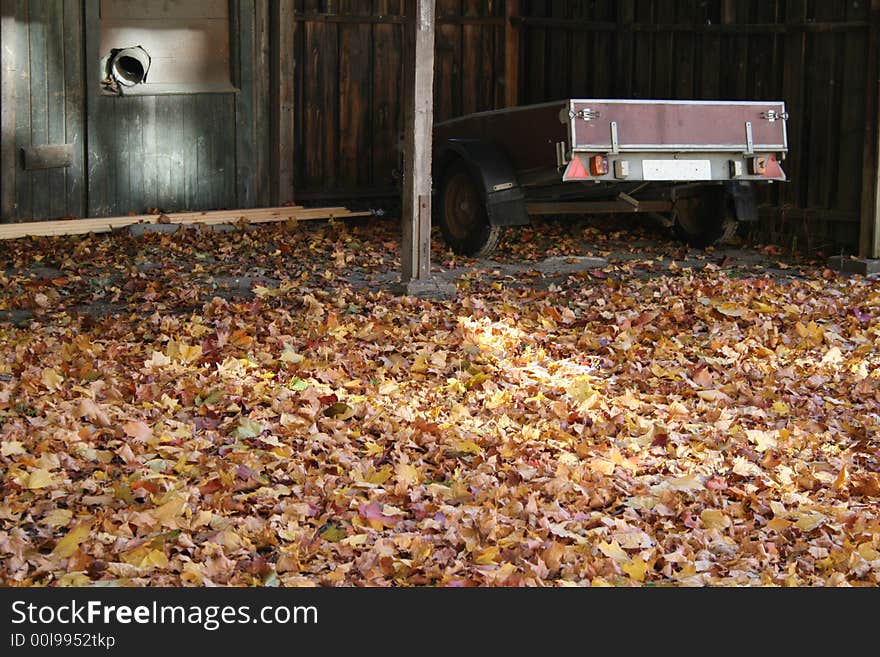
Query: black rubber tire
x,y
705,218
461,214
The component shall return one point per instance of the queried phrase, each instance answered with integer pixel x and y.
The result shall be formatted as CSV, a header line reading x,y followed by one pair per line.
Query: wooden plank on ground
x,y
106,224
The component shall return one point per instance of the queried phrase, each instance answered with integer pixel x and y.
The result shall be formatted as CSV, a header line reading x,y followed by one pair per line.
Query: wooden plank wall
x,y
172,152
318,111
41,105
348,92
810,53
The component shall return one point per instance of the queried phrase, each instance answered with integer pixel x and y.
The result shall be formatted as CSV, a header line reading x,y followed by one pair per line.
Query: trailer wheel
x,y
462,214
705,218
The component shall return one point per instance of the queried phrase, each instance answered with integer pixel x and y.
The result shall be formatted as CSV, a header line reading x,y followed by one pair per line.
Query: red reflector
x,y
773,170
575,170
599,165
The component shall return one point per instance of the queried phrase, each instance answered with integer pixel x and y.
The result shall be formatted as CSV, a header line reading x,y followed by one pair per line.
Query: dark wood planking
x,y
582,50
559,54
448,68
55,189
512,54
286,102
849,127
709,62
39,100
261,100
603,51
822,63
869,233
355,99
191,129
623,79
243,55
643,52
491,69
852,119
320,88
793,73
387,72
665,46
122,157
74,106
471,61
684,52
536,70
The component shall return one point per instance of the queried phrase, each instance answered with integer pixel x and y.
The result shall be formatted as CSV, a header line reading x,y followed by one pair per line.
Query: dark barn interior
x,y
252,104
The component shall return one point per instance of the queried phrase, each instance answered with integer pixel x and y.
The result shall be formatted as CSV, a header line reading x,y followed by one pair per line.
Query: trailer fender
x,y
491,168
744,201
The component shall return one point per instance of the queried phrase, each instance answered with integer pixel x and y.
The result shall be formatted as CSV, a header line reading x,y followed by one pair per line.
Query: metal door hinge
x,y
586,114
772,116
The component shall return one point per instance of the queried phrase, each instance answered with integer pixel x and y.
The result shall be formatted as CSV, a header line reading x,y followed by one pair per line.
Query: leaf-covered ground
x,y
255,408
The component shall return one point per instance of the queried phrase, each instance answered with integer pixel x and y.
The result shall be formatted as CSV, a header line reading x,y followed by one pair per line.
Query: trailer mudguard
x,y
745,204
505,201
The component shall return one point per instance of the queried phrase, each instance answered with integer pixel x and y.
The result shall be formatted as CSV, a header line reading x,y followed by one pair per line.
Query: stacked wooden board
x,y
107,224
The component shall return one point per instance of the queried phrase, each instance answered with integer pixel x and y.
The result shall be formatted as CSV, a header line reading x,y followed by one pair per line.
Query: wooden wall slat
x,y
355,100
24,206
387,110
74,107
39,100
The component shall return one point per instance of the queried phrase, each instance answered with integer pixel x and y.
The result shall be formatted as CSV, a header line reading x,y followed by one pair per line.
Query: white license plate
x,y
676,170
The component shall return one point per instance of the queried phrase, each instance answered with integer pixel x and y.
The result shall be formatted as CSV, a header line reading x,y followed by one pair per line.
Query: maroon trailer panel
x,y
528,135
645,125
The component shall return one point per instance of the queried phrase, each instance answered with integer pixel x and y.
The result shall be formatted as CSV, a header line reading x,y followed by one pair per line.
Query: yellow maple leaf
x,y
781,408
779,524
168,513
730,309
810,521
581,389
407,474
487,556
51,379
70,542
714,519
637,568
614,551
40,478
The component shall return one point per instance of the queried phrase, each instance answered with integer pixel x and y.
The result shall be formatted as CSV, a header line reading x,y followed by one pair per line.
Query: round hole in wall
x,y
130,66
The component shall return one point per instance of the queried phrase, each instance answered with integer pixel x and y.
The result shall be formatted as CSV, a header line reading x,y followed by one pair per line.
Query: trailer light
x,y
599,165
621,169
736,169
576,169
757,166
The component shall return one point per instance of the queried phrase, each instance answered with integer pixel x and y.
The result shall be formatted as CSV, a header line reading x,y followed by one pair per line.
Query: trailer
x,y
692,164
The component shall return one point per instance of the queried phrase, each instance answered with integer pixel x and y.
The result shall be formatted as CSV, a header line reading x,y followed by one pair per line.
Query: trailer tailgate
x,y
646,125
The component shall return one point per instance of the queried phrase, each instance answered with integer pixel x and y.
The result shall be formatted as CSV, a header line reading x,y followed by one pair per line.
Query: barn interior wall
x,y
318,108
810,53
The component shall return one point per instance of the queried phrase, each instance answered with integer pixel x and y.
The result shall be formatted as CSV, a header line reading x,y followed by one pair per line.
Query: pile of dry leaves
x,y
256,408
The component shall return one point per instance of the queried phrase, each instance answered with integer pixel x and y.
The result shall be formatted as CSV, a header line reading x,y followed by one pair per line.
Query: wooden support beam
x,y
106,224
283,26
869,235
419,119
511,53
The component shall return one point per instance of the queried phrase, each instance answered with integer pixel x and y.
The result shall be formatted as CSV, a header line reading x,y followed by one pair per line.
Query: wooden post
x,y
415,276
511,54
869,236
283,30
